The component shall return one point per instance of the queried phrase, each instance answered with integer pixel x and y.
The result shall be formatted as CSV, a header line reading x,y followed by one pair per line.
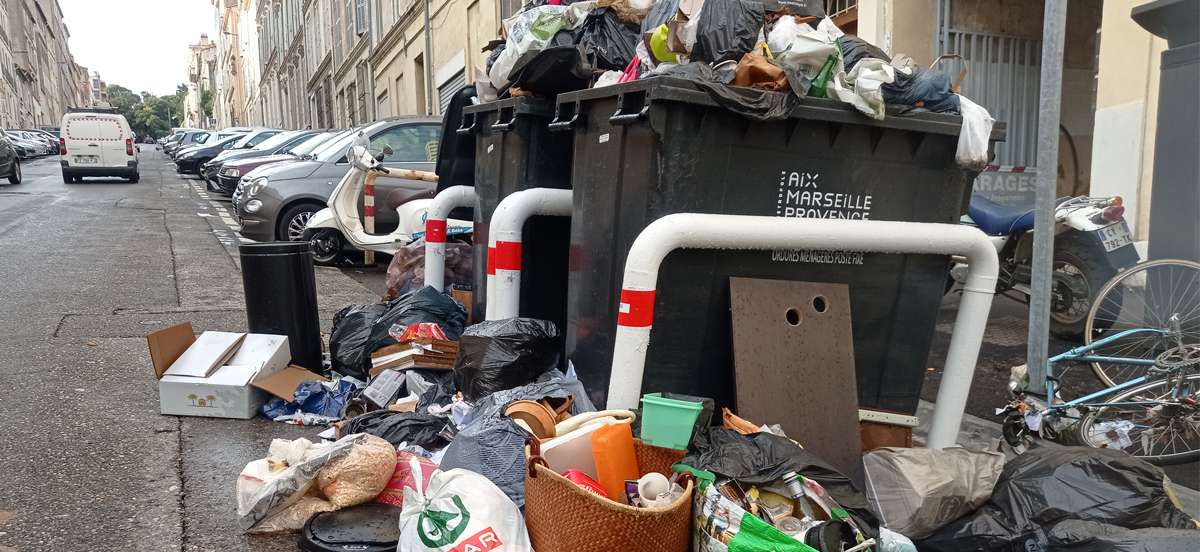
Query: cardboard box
x,y
226,392
283,383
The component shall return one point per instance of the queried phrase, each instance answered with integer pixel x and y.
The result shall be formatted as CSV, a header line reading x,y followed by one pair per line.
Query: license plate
x,y
87,160
1115,236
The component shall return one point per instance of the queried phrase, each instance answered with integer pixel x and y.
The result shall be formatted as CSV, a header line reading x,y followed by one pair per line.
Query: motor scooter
x,y
1092,243
339,226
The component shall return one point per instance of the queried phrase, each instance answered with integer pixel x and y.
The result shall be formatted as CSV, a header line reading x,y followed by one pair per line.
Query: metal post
x,y
1049,105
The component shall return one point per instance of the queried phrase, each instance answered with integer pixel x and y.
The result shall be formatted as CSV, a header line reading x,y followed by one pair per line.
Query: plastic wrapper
x,y
809,55
412,472
420,330
359,330
533,30
324,399
406,271
916,491
503,354
398,428
763,458
974,136
723,526
294,517
360,475
461,511
607,40
263,491
727,29
1044,487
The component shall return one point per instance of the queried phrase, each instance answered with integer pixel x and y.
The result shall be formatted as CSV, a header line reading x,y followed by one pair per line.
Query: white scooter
x,y
339,225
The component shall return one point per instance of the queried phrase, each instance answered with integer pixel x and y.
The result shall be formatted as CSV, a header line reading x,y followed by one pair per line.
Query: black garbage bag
x,y
1090,536
1046,486
609,43
456,154
552,71
440,393
360,330
927,89
727,29
762,458
503,354
414,428
855,49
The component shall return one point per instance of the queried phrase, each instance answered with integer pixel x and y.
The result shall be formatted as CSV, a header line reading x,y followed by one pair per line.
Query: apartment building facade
x,y
200,102
38,74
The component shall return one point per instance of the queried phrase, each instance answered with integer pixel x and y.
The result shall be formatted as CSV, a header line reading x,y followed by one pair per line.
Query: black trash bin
x,y
658,146
281,296
515,151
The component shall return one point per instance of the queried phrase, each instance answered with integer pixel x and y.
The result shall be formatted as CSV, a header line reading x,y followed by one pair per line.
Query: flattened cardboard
x,y
283,383
210,351
168,344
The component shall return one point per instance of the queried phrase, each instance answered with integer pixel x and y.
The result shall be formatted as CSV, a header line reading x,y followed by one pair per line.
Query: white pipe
x,y
435,231
702,231
504,242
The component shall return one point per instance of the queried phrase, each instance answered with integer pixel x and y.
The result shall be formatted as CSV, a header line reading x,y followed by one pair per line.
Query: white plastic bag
x,y
917,491
862,87
973,138
461,510
263,491
531,30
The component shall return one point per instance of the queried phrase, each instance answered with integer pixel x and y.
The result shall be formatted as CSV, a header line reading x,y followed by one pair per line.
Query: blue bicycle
x,y
1143,340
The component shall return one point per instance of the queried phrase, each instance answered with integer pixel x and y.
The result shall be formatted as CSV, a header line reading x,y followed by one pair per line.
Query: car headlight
x,y
231,172
256,186
253,206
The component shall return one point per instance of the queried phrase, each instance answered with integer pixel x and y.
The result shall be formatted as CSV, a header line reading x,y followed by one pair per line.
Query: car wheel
x,y
14,177
292,223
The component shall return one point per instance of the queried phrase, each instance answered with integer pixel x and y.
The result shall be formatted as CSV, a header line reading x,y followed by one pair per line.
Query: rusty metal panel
x,y
793,354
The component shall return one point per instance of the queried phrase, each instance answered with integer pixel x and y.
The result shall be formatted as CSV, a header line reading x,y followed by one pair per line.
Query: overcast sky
x,y
138,44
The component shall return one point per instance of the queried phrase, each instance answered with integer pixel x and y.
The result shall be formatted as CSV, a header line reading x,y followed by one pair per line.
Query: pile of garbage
x,y
757,58
498,447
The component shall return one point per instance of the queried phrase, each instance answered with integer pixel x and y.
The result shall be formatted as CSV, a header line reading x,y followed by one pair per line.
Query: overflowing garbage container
x,y
515,151
665,145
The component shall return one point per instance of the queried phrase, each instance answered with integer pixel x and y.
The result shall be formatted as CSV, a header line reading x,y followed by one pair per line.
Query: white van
x,y
96,144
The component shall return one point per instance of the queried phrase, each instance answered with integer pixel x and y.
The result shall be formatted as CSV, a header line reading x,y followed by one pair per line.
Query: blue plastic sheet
x,y
313,397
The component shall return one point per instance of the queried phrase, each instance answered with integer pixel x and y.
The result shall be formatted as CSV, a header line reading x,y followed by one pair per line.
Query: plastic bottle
x,y
612,449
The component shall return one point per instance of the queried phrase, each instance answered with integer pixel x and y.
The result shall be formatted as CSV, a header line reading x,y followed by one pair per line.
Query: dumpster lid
x,y
674,89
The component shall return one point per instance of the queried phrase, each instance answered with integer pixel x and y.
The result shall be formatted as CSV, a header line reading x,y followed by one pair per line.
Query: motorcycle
x,y
340,225
1092,243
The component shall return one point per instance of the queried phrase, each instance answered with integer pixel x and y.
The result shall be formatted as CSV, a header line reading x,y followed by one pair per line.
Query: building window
x,y
409,143
361,12
449,88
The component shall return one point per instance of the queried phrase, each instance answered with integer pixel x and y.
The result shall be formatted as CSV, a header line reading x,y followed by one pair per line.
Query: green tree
x,y
148,115
206,104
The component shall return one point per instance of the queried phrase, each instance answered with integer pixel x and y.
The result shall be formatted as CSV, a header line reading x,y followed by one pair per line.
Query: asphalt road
x,y
87,271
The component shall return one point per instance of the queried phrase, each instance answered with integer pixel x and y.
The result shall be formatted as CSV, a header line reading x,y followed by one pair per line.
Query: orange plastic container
x,y
612,449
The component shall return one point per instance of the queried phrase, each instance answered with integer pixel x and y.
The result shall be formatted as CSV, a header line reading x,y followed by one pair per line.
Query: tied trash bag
x,y
1091,536
533,30
461,510
917,491
854,49
608,41
727,29
553,71
502,354
414,428
359,330
267,487
1044,487
973,138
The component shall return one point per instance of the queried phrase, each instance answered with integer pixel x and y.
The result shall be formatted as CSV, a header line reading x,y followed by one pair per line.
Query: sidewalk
x,y
978,433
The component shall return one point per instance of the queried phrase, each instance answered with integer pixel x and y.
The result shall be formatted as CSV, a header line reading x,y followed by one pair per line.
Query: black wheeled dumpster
x,y
662,145
515,151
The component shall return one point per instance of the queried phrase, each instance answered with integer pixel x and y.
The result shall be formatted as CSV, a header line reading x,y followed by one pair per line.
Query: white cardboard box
x,y
226,392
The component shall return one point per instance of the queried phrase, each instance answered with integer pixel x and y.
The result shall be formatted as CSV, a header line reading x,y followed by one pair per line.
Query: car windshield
x,y
227,141
336,147
311,144
277,140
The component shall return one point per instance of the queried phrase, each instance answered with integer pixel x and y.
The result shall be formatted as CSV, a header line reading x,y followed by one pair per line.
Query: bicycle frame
x,y
1081,354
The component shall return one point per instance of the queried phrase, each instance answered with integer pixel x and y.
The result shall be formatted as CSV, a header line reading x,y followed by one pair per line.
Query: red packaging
x,y
587,483
407,464
422,330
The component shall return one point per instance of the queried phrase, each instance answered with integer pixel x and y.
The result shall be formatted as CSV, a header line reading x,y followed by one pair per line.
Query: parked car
x,y
25,148
10,160
97,144
280,199
281,142
247,142
188,160
34,147
43,136
189,137
234,172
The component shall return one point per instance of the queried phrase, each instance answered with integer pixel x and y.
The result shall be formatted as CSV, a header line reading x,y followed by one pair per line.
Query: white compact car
x,y
96,143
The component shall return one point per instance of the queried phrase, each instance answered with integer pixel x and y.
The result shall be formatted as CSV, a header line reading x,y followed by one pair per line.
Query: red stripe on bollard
x,y
435,231
636,309
369,210
508,255
491,261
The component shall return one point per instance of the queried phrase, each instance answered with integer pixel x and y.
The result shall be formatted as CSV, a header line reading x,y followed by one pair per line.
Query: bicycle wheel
x,y
1163,434
1146,295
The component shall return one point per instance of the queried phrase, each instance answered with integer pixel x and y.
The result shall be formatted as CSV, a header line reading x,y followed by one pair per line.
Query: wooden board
x,y
793,357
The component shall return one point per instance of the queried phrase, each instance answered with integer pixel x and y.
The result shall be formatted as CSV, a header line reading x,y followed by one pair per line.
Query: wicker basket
x,y
562,517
